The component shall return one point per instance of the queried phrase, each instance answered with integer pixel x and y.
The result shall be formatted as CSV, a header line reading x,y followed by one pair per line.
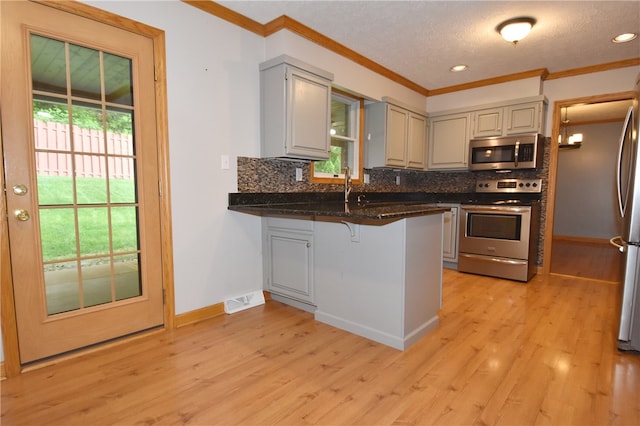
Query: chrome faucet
x,y
347,183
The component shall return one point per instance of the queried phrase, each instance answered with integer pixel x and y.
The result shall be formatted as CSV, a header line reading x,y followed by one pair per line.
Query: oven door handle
x,y
496,209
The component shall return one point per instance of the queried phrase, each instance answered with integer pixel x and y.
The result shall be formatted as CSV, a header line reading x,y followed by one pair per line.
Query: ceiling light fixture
x,y
623,38
515,29
458,68
566,141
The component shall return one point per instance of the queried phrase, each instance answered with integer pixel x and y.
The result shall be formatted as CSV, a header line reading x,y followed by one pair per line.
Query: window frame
x,y
357,173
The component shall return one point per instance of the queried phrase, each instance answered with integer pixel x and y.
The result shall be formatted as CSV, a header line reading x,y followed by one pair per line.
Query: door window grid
x,y
99,228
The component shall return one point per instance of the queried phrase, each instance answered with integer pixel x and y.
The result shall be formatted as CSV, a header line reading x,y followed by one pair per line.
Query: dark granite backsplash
x,y
275,175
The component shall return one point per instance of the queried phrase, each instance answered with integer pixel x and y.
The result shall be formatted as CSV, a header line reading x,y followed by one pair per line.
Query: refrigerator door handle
x,y
627,122
614,242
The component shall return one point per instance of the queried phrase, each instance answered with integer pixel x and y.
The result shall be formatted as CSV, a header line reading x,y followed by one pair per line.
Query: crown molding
x,y
286,23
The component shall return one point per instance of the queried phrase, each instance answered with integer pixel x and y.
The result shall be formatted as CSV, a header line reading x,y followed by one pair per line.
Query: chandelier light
x,y
565,140
515,29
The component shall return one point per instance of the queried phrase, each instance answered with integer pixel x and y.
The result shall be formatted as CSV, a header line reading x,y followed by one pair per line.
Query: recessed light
x,y
623,38
458,68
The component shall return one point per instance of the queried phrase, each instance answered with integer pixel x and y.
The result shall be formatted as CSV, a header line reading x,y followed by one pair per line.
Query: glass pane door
x,y
86,174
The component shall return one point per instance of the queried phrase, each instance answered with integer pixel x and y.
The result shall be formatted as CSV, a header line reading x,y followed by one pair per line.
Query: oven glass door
x,y
495,231
495,226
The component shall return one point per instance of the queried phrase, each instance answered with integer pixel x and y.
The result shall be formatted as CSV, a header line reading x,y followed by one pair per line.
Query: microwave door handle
x,y
515,154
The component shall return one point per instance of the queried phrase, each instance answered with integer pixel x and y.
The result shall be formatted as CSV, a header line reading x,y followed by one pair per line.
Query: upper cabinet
x,y
450,131
508,120
395,136
449,141
295,109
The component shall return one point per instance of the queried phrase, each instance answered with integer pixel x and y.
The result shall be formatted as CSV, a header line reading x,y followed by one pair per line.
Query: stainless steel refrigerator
x,y
628,177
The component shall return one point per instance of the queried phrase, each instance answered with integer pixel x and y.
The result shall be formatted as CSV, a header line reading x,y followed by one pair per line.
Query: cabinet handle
x,y
308,244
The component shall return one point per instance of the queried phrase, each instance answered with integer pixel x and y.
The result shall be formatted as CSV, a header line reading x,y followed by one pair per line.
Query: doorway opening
x,y
582,213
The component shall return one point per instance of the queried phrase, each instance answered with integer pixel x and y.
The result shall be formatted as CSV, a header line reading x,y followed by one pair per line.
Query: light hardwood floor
x,y
504,353
594,260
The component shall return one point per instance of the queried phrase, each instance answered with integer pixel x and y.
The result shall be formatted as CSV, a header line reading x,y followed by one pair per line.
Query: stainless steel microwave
x,y
506,152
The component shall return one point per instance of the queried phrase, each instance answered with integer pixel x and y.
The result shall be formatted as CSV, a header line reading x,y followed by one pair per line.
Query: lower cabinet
x,y
288,258
450,233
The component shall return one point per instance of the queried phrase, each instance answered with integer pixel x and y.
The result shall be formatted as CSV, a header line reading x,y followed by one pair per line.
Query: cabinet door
x,y
290,264
397,133
417,141
524,118
450,234
308,115
487,122
449,142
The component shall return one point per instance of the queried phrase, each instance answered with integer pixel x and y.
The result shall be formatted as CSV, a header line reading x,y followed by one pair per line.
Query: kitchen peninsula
x,y
373,269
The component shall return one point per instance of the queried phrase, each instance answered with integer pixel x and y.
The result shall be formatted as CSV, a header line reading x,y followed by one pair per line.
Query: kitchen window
x,y
346,140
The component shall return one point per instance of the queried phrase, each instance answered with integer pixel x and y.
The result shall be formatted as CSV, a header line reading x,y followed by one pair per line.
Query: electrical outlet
x,y
398,180
298,174
366,178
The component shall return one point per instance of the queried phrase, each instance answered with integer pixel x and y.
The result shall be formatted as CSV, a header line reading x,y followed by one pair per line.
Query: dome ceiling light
x,y
515,29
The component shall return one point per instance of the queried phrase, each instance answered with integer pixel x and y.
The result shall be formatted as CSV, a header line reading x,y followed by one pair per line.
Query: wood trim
x,y
164,174
591,122
594,68
12,365
199,315
285,22
582,240
553,163
207,312
541,72
228,15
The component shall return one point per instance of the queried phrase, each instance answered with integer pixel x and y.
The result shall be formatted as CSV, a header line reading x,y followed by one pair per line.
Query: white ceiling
x,y
421,39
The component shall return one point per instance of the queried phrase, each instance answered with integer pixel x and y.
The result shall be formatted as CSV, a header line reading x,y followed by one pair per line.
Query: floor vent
x,y
240,303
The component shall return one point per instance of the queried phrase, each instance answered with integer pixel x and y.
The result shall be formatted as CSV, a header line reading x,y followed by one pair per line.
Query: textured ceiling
x,y
421,40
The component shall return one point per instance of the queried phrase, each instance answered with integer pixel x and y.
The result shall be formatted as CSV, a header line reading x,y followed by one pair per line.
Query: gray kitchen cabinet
x,y
450,228
524,118
396,136
508,120
448,141
295,114
288,258
450,131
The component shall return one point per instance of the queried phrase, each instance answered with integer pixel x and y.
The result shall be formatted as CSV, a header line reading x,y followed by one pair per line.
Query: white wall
x,y
586,203
213,108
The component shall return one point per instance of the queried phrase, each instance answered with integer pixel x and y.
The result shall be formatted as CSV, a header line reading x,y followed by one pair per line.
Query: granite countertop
x,y
375,207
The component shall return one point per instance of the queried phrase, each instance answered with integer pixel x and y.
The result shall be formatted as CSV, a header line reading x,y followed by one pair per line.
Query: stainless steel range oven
x,y
499,231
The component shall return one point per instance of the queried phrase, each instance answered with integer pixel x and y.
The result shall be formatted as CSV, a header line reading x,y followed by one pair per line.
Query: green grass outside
x,y
57,225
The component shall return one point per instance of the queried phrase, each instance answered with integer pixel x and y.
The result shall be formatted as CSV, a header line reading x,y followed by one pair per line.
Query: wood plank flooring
x,y
594,260
505,353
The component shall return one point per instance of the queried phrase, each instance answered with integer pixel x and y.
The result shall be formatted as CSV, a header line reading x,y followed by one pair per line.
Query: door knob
x,y
20,189
22,215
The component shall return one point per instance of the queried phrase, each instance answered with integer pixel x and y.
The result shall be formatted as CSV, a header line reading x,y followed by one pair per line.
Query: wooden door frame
x,y
12,364
553,163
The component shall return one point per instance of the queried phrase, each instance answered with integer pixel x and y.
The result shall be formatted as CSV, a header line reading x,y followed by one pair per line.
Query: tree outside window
x,y
346,145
